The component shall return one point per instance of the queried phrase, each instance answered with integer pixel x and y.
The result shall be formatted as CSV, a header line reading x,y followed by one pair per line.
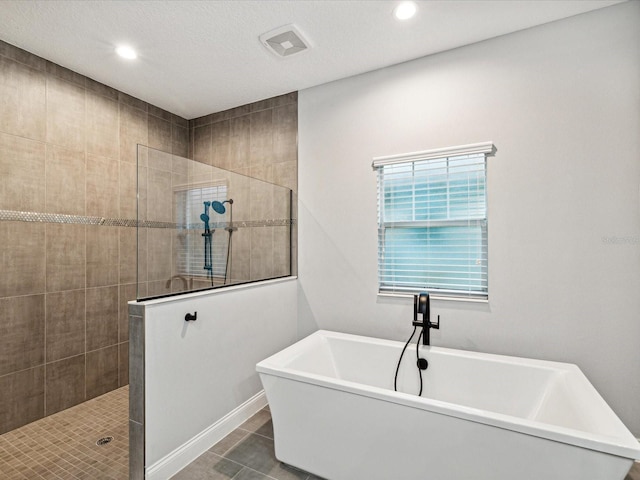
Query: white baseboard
x,y
182,456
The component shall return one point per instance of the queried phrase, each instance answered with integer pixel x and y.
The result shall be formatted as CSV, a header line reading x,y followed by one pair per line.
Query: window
x,y
192,254
432,222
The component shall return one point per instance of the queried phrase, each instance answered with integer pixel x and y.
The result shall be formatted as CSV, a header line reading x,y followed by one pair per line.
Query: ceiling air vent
x,y
284,41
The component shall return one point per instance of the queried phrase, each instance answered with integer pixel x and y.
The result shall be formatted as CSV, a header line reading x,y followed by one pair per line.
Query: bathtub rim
x,y
627,448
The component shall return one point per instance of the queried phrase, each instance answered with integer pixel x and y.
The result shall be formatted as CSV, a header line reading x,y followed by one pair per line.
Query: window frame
x,y
464,294
189,265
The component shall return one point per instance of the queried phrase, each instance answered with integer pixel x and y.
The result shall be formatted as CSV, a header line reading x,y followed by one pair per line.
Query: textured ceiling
x,y
199,57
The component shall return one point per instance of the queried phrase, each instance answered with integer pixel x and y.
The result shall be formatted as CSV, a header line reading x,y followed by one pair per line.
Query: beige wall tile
x,y
136,367
66,122
65,384
285,133
22,173
262,200
133,131
128,254
285,174
123,364
65,323
142,202
136,450
102,371
281,202
202,144
200,172
160,160
159,112
233,112
65,177
179,140
291,97
205,120
159,133
127,186
281,251
21,333
22,56
22,253
263,172
158,288
126,294
103,191
261,253
102,317
65,74
178,120
261,143
240,268
177,182
220,144
66,257
103,266
103,131
141,290
159,254
239,192
21,398
159,196
22,100
101,89
130,101
239,142
267,103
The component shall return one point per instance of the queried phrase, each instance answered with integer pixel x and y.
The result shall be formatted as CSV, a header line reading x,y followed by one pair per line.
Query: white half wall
x,y
561,102
198,372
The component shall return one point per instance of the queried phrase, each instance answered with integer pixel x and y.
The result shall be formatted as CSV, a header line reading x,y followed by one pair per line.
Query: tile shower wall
x,y
259,140
67,149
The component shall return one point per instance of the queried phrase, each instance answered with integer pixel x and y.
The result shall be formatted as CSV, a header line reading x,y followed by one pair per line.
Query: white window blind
x,y
189,202
432,222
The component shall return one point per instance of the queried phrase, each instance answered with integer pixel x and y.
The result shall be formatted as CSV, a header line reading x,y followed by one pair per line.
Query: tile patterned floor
x,y
63,446
247,454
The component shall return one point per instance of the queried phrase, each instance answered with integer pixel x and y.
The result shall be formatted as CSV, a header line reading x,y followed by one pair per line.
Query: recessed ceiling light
x,y
126,52
405,10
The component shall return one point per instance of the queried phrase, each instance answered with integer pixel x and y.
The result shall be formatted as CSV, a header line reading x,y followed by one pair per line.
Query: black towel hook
x,y
189,318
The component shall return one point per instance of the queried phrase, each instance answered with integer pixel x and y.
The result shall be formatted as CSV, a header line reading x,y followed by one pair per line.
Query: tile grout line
x,y
235,444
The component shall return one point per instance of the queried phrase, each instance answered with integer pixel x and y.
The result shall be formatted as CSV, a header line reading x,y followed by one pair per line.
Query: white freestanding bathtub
x,y
480,416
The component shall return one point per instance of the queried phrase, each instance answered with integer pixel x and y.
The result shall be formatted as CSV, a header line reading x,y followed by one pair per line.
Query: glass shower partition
x,y
202,227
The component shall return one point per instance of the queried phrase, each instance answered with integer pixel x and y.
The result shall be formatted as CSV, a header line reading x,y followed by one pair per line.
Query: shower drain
x,y
104,441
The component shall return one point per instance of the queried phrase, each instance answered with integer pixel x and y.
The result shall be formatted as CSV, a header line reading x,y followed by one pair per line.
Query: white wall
x,y
561,102
198,372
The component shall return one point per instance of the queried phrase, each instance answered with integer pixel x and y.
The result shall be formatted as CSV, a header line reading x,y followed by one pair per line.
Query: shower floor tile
x,y
247,454
63,445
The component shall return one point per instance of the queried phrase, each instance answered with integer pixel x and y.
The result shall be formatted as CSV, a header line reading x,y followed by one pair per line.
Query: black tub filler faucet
x,y
421,305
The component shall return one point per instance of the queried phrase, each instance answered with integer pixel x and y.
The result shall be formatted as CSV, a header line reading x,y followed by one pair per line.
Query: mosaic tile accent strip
x,y
278,222
16,216
63,445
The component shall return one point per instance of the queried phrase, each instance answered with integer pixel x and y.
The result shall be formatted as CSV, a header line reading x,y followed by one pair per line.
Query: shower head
x,y
219,206
204,217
